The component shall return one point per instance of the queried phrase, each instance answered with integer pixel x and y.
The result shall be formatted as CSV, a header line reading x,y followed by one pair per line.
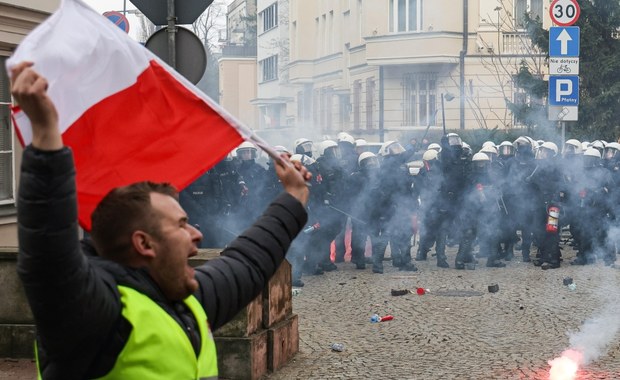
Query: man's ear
x,y
143,244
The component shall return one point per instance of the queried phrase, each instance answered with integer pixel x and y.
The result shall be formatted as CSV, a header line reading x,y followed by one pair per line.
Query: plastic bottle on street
x,y
376,318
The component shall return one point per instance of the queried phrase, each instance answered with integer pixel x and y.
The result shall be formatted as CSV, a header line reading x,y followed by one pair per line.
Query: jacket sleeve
x,y
228,283
73,305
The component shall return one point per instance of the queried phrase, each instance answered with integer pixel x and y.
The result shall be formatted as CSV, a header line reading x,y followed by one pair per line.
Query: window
x,y
370,102
269,16
419,99
357,100
405,15
269,67
326,108
533,7
6,140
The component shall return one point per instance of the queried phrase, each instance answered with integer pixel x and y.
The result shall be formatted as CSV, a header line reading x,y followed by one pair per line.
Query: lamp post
x,y
448,96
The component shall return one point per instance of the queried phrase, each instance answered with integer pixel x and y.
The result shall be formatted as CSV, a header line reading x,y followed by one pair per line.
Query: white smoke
x,y
596,334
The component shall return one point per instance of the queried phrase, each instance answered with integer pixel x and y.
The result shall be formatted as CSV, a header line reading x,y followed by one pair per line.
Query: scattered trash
x,y
520,307
420,291
402,292
341,283
338,347
567,280
572,286
296,291
376,318
493,288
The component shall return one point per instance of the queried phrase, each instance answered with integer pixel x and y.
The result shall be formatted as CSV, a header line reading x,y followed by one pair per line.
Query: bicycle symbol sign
x,y
563,66
564,12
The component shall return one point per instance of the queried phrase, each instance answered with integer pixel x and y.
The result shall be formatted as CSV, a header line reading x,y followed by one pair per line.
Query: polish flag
x,y
125,113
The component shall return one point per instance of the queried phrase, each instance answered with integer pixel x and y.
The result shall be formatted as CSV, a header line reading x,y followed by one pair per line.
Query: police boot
x,y
442,261
421,255
552,264
493,262
408,267
509,252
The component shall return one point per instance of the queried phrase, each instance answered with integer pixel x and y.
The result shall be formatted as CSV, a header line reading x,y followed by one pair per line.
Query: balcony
x,y
518,43
238,51
413,48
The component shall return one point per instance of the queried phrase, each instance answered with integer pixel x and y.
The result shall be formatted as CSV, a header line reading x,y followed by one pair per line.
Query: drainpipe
x,y
462,61
381,105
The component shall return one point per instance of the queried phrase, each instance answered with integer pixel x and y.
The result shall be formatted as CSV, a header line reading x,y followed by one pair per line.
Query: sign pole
x,y
563,123
172,29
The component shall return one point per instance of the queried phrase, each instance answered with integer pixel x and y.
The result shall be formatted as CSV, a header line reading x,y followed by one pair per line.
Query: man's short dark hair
x,y
121,212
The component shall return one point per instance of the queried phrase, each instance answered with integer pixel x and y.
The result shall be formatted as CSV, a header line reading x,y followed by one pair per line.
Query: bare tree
x,y
502,58
209,25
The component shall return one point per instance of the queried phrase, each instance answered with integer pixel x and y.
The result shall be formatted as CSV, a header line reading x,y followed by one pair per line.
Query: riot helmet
x,y
368,161
304,146
391,148
546,150
598,145
490,151
591,158
454,140
612,151
571,148
523,147
488,143
303,159
430,158
506,149
329,149
247,151
281,149
361,146
466,150
434,146
430,155
480,163
345,137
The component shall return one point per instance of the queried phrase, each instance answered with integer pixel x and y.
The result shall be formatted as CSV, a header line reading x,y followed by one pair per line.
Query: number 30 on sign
x,y
564,12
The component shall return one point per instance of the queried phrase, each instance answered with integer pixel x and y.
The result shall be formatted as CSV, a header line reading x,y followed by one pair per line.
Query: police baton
x,y
344,213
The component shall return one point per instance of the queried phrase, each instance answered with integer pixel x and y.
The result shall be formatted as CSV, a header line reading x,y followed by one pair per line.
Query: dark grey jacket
x,y
74,297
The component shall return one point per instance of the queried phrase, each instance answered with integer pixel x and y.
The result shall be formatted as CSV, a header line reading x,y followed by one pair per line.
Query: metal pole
x,y
563,132
172,30
381,105
124,7
443,115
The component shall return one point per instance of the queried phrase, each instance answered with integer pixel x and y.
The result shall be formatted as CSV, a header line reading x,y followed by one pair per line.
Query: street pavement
x,y
458,329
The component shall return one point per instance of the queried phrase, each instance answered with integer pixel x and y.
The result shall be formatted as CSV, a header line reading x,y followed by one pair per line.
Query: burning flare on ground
x,y
566,366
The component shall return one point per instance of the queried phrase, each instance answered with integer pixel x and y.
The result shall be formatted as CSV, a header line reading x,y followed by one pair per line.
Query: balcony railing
x,y
518,43
238,51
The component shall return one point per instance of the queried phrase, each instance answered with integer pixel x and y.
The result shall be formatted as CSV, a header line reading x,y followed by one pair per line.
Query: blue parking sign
x,y
564,41
564,90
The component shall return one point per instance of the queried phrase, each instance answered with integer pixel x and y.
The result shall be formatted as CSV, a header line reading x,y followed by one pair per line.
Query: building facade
x,y
237,64
381,68
275,97
17,19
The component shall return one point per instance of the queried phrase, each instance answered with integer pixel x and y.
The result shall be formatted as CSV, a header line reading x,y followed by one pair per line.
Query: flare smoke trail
x,y
587,344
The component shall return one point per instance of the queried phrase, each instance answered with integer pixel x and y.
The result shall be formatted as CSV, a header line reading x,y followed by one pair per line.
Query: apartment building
x,y
17,19
275,95
381,68
237,64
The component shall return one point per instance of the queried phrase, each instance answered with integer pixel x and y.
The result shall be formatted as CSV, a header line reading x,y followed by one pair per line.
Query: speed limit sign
x,y
564,12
